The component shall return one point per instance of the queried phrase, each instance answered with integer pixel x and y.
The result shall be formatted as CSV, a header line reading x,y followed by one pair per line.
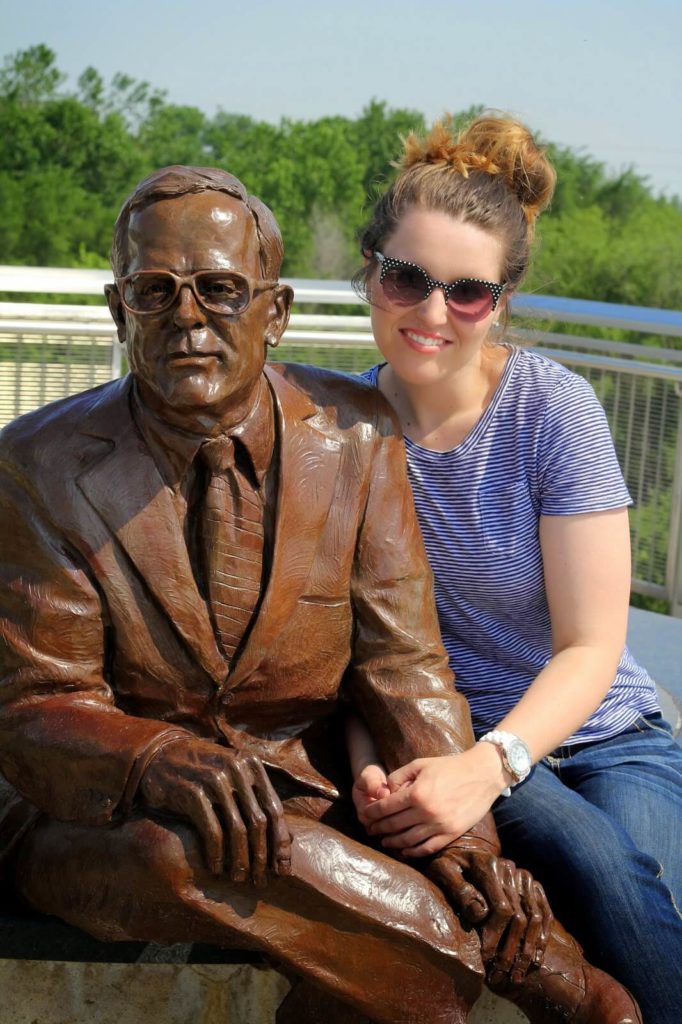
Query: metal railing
x,y
51,350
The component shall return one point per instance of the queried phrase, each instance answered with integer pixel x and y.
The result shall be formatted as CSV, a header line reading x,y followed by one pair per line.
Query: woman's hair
x,y
492,174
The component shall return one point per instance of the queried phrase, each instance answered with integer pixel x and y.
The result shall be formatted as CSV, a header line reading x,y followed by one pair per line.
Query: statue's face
x,y
192,363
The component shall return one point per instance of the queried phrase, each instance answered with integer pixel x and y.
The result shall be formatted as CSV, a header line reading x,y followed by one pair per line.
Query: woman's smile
x,y
422,341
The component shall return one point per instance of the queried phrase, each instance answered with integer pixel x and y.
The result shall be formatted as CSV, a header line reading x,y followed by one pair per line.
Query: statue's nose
x,y
188,312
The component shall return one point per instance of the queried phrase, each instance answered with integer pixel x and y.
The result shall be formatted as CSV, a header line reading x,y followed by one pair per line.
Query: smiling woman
x,y
523,510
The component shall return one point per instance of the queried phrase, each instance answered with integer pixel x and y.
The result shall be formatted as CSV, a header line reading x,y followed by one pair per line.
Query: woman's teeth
x,y
427,341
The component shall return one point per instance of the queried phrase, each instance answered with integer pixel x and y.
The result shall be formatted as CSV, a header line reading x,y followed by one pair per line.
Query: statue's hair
x,y
175,181
492,174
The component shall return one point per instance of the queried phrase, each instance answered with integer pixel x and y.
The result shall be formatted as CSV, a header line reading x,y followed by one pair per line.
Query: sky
x,y
601,76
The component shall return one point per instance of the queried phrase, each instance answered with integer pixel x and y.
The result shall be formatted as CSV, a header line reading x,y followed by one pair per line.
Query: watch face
x,y
519,760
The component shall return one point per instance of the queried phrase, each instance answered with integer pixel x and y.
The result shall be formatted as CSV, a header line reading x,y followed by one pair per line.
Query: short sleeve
x,y
371,375
578,466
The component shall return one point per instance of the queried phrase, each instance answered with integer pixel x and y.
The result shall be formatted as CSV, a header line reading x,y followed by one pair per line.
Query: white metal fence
x,y
49,350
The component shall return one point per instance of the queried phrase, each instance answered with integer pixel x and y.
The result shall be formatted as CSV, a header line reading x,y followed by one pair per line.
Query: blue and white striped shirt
x,y
542,447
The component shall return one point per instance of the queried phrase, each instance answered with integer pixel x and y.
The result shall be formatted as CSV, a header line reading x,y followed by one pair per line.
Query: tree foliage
x,y
71,156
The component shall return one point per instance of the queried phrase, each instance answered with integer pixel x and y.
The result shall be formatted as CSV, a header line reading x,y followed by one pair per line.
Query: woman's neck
x,y
440,415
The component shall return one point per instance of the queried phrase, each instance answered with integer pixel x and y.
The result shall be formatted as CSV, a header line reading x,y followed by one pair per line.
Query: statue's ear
x,y
282,299
116,310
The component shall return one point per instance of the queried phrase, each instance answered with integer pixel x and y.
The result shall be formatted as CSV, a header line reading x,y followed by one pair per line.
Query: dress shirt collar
x,y
174,449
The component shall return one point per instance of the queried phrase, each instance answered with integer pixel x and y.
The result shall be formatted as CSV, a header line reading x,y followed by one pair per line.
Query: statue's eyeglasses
x,y
407,284
226,292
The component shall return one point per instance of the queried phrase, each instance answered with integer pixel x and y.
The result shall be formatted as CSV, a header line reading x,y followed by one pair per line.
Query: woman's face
x,y
427,342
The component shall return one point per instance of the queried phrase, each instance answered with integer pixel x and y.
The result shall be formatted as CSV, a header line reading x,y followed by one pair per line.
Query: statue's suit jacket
x,y
108,649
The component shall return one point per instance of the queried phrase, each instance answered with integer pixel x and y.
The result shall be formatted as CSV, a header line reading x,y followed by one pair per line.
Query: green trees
x,y
608,238
66,163
70,157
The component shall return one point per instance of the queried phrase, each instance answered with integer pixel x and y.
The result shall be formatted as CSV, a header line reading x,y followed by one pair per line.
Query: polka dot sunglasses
x,y
407,284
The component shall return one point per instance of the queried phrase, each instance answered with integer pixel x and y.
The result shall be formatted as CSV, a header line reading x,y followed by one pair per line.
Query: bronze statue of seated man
x,y
203,566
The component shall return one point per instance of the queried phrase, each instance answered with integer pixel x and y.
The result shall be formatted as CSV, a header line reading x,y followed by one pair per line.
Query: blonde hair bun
x,y
496,145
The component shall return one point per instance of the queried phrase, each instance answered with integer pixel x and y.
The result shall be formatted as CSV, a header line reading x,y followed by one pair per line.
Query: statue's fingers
x,y
236,831
547,916
531,941
256,824
243,772
278,836
280,846
510,944
486,874
198,808
464,897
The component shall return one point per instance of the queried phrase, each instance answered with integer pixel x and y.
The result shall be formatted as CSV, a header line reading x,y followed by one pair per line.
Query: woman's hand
x,y
370,785
435,800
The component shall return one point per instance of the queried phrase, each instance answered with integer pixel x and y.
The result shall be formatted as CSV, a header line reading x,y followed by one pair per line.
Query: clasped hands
x,y
425,808
229,799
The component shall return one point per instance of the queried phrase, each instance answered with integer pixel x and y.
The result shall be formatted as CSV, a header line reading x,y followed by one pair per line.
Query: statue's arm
x,y
402,686
64,745
399,679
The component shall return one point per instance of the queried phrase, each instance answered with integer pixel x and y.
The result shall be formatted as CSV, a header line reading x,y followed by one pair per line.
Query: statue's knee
x,y
162,850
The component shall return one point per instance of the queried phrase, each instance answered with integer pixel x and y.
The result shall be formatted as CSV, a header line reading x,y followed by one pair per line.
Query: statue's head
x,y
196,297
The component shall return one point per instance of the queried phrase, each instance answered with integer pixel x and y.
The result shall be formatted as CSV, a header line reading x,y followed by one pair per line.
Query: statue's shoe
x,y
566,989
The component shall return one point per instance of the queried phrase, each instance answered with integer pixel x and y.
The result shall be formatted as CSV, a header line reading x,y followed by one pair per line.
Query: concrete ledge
x,y
42,992
52,973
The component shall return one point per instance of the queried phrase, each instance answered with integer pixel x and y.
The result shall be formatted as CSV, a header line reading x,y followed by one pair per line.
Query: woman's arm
x,y
362,750
587,576
587,579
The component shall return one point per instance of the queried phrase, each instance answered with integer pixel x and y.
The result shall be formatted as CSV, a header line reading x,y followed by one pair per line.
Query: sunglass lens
x,y
148,293
223,293
406,286
472,299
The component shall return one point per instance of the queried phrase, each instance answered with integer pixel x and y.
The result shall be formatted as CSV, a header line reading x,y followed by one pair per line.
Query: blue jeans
x,y
600,825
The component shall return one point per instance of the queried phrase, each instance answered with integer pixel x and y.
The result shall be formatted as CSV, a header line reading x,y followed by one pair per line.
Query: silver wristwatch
x,y
515,755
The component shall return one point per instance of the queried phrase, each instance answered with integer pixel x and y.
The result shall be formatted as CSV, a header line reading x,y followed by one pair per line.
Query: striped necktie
x,y
231,543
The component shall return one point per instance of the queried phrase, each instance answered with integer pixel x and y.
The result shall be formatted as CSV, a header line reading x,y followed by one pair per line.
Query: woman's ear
x,y
116,309
282,299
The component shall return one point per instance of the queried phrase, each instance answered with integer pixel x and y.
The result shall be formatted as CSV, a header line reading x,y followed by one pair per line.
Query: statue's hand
x,y
508,906
231,802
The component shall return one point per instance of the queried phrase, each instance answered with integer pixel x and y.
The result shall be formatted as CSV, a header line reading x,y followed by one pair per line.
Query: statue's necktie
x,y
231,543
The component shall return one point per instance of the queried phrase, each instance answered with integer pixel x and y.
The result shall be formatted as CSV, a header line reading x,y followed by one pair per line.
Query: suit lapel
x,y
308,467
125,488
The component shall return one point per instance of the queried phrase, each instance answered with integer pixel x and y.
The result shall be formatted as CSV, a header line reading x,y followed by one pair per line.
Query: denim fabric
x,y
600,825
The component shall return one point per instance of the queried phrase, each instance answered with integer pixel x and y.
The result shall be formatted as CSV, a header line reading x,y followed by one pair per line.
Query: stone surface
x,y
491,1009
69,993
40,992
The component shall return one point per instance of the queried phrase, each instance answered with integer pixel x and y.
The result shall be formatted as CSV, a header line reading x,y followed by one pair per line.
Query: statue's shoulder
x,y
334,391
47,436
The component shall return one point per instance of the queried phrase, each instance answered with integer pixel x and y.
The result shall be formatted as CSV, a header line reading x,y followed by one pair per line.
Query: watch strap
x,y
503,741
